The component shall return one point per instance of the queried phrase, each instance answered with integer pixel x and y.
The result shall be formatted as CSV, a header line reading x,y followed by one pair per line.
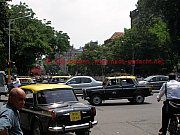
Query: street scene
x,y
88,67
118,117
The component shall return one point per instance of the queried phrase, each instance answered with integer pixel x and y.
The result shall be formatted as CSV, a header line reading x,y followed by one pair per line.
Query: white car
x,y
155,81
80,82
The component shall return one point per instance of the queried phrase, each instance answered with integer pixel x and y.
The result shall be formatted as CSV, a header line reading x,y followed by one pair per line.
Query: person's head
x,y
172,76
17,98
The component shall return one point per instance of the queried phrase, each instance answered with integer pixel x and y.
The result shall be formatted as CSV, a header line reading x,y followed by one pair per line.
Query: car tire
x,y
83,132
36,128
139,99
96,100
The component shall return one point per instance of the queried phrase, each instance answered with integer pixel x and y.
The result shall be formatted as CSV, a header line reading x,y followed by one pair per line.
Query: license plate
x,y
75,116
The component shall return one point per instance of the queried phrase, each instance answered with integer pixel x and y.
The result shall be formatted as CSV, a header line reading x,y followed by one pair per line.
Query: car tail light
x,y
93,110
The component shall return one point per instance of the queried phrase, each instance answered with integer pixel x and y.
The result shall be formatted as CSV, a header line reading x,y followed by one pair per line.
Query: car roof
x,y
157,76
61,76
122,77
81,76
25,78
40,87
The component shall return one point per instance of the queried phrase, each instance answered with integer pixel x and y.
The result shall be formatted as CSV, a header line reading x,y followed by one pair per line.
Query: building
x,y
113,37
134,15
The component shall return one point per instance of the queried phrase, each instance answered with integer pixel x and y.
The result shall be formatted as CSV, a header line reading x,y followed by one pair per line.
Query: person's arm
x,y
5,122
161,92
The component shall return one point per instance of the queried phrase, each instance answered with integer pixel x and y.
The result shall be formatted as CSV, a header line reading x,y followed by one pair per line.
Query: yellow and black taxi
x,y
55,109
118,87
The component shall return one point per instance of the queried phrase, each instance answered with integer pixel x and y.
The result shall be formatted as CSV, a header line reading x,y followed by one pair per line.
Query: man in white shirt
x,y
171,90
16,82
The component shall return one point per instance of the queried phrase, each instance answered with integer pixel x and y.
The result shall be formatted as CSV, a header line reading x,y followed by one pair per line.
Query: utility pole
x,y
9,50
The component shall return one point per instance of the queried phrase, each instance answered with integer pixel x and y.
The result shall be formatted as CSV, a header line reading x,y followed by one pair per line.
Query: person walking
x,y
9,113
171,90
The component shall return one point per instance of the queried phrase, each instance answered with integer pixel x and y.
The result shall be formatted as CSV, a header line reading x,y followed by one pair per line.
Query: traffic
x,y
44,101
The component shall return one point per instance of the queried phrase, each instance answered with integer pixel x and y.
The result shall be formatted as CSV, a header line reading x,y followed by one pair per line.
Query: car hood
x,y
66,107
142,82
99,82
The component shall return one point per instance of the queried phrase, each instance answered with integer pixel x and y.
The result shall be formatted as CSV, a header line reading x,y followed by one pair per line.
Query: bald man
x,y
9,113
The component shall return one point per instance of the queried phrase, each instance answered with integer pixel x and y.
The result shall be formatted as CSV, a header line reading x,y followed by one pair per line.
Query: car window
x,y
154,79
74,81
55,96
126,82
164,79
29,98
113,82
118,81
158,78
54,80
86,80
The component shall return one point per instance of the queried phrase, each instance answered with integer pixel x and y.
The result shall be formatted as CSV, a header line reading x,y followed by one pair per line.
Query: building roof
x,y
117,35
113,37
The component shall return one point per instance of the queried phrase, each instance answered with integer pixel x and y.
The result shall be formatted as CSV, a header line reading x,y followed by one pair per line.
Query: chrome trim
x,y
73,127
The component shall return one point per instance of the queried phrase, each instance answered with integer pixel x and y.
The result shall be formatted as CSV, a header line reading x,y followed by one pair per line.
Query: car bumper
x,y
73,127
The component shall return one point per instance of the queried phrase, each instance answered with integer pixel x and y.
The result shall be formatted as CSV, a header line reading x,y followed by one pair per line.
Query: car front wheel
x,y
96,100
139,99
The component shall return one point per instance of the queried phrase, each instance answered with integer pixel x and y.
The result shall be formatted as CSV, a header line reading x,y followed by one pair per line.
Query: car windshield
x,y
55,96
148,78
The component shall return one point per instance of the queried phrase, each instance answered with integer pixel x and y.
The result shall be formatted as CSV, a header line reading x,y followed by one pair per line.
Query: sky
x,y
84,20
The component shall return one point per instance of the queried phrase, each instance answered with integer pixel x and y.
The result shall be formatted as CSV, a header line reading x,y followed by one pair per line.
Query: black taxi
x,y
53,109
118,87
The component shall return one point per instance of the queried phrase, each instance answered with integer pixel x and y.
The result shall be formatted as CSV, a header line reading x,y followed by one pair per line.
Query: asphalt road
x,y
118,117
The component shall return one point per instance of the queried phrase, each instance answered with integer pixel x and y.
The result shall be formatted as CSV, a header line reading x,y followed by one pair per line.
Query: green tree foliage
x,y
32,38
3,33
170,10
88,62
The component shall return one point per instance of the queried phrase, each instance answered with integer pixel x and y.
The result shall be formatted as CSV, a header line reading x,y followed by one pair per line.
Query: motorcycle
x,y
174,124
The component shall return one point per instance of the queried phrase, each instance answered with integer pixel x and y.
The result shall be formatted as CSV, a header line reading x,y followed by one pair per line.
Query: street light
x,y
9,51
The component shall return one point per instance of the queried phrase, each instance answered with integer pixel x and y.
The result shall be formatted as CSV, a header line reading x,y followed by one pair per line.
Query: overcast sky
x,y
84,20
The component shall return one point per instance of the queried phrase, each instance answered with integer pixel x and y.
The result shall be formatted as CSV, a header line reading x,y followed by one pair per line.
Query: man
x,y
16,82
9,113
171,90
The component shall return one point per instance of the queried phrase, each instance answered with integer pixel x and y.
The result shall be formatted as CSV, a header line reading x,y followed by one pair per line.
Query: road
x,y
118,117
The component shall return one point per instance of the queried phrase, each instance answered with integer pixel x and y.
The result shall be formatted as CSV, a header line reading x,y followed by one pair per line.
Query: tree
x,y
33,38
170,10
4,13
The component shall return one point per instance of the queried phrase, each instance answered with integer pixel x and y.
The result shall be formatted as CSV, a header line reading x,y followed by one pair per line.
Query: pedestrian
x,y
9,113
16,82
171,90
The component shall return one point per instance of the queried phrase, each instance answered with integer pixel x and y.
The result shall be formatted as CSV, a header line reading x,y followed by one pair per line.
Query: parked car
x,y
154,81
25,80
80,82
55,109
3,84
121,87
59,79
